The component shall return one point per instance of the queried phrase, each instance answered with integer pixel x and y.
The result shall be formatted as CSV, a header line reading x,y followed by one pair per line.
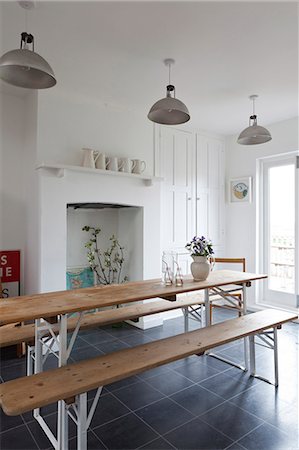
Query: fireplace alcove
x,y
125,222
135,205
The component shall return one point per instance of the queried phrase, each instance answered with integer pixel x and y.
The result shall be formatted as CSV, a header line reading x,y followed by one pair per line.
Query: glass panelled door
x,y
280,238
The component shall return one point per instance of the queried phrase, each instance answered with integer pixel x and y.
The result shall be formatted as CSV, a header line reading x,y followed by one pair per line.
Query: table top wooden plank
x,y
29,307
24,394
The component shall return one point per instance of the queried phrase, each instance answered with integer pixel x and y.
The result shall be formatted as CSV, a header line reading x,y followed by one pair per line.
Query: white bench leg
x,y
244,311
268,342
30,360
186,319
62,426
275,355
81,403
252,355
207,308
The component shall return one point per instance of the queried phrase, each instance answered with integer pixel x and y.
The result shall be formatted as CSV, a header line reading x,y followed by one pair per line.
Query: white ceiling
x,y
224,51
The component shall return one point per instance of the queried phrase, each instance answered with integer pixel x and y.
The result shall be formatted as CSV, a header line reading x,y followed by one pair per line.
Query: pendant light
x,y
254,134
169,110
24,67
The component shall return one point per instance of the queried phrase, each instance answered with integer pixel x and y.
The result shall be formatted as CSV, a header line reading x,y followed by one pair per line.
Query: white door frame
x,y
261,225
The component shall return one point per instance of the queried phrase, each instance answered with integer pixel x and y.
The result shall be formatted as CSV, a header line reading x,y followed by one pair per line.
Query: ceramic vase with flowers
x,y
201,250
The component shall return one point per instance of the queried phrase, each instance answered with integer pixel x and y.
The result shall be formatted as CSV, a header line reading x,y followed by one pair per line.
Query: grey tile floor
x,y
195,403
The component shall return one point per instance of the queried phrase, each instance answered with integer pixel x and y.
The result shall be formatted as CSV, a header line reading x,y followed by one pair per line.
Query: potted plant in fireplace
x,y
107,265
201,249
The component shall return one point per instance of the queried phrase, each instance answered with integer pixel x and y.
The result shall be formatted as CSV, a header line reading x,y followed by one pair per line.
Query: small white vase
x,y
200,268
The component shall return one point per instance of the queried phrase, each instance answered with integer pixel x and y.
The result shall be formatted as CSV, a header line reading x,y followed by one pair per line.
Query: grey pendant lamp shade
x,y
25,68
254,134
169,110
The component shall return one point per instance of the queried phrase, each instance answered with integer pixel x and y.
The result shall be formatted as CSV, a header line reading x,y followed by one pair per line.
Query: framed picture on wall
x,y
240,190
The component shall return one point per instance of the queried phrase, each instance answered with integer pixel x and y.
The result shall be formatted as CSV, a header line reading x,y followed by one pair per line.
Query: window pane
x,y
282,228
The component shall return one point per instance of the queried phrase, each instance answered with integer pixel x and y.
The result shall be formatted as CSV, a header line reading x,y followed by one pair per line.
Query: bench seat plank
x,y
24,394
14,335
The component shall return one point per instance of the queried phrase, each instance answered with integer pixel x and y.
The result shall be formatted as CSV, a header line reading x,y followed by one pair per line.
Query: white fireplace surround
x,y
80,187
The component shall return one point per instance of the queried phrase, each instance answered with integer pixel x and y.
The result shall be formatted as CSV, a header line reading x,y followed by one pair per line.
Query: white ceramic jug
x,y
89,158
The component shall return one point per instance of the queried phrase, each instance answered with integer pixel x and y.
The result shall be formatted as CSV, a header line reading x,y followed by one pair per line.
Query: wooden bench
x,y
68,385
25,333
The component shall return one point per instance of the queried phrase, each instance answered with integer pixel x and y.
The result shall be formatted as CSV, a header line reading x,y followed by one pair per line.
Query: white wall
x,y
105,219
68,122
240,162
17,186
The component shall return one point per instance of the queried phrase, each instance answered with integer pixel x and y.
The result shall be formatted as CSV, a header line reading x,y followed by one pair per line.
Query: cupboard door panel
x,y
214,164
202,214
167,157
181,219
214,221
202,162
181,162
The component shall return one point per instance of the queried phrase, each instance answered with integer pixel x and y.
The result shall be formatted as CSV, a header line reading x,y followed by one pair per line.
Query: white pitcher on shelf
x,y
89,158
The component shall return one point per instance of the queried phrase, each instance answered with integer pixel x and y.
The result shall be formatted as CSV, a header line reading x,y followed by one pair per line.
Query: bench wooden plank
x,y
13,335
19,309
24,394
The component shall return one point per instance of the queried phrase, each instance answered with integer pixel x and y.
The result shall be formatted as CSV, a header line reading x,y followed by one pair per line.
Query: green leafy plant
x,y
106,264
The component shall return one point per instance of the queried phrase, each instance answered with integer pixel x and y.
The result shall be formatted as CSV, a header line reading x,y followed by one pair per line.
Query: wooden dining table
x,y
63,304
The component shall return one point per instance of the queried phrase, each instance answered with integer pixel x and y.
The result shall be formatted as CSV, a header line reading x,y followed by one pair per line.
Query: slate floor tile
x,y
169,383
164,415
215,363
261,401
136,339
197,372
120,384
8,422
287,420
17,439
85,353
98,338
93,442
197,435
235,446
14,371
154,372
112,346
196,399
231,420
269,437
40,437
127,432
108,408
157,444
225,386
138,395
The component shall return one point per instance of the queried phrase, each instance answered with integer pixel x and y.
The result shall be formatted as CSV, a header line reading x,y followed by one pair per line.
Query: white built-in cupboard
x,y
192,203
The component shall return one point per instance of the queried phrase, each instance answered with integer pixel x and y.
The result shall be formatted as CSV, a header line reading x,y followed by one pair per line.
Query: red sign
x,y
9,266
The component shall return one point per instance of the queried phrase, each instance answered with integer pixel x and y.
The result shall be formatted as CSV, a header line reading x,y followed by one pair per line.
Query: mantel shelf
x,y
59,171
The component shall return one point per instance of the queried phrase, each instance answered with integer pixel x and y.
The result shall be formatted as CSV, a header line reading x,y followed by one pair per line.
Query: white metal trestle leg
x,y
186,319
266,339
82,422
207,308
252,355
38,356
275,355
62,419
243,312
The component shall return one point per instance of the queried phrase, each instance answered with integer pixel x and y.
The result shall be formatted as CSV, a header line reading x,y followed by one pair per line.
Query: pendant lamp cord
x,y
169,68
253,106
